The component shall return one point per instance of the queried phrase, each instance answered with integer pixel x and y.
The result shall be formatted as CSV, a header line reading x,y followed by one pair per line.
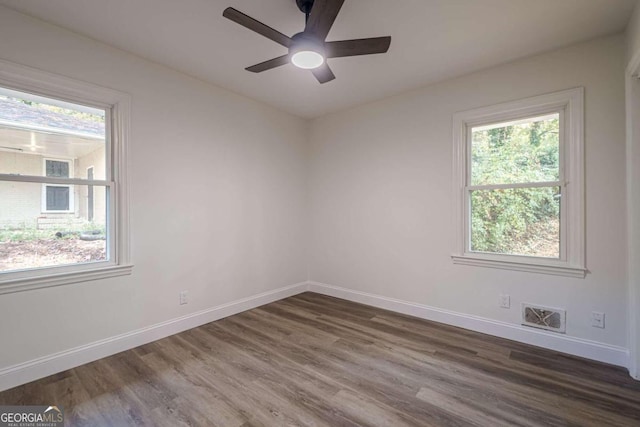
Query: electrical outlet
x,y
597,319
183,297
505,301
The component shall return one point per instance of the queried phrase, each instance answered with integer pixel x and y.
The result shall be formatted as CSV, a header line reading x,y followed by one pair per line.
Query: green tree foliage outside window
x,y
518,221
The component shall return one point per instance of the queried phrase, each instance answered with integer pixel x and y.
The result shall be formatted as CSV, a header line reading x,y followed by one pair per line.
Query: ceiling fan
x,y
308,49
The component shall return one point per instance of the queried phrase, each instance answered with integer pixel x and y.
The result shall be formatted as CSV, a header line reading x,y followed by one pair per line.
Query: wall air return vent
x,y
551,319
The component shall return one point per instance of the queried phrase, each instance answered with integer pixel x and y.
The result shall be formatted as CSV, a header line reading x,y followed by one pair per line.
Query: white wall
x,y
633,186
381,195
218,199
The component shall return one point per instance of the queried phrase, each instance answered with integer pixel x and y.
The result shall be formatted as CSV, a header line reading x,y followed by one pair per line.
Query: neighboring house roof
x,y
19,114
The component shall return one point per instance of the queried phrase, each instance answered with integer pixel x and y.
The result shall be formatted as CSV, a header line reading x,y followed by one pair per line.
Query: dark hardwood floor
x,y
320,361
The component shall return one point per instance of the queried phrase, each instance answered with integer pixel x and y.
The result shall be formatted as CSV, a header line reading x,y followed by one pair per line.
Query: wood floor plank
x,y
312,360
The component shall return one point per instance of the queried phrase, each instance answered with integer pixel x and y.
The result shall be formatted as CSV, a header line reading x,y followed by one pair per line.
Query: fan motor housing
x,y
305,6
303,37
303,41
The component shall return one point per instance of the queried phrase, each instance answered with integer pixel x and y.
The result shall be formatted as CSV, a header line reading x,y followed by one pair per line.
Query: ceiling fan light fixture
x,y
307,59
305,52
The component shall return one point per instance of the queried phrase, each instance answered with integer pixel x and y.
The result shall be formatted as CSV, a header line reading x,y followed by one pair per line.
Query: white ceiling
x,y
432,40
24,141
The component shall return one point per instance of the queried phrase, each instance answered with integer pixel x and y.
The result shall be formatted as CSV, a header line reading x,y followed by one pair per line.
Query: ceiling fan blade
x,y
257,26
268,65
323,73
357,47
323,14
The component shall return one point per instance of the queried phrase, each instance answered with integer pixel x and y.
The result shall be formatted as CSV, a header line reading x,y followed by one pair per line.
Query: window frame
x,y
117,106
570,105
43,208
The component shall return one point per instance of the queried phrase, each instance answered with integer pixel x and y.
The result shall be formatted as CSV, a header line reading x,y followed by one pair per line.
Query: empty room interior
x,y
320,213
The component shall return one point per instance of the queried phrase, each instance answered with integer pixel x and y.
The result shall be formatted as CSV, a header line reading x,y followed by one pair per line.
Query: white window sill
x,y
33,281
556,268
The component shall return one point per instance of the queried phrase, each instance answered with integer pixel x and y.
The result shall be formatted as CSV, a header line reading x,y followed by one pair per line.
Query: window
x,y
56,198
518,185
63,192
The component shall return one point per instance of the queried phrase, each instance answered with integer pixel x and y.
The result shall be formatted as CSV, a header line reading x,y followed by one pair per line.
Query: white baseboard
x,y
48,365
571,345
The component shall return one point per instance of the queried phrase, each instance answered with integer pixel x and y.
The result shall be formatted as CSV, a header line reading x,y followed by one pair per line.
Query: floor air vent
x,y
551,319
